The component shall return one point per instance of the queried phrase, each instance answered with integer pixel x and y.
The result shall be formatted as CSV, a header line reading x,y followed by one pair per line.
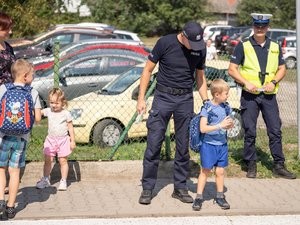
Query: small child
x,y
13,147
214,122
60,138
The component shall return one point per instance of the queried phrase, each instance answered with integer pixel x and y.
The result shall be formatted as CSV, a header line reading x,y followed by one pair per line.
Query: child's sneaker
x,y
43,183
10,212
62,185
2,205
222,203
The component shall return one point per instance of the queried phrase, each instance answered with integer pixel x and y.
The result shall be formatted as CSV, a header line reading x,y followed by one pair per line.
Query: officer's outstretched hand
x,y
141,106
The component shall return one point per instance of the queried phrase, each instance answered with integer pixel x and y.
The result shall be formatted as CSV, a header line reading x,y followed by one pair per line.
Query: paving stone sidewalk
x,y
112,189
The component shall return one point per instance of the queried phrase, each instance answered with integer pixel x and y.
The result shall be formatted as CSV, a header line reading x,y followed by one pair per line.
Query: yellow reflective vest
x,y
251,69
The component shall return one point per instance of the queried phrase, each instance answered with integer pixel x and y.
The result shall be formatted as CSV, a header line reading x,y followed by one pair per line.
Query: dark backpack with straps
x,y
17,110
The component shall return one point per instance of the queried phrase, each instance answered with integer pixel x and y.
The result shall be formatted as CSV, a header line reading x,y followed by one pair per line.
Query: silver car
x,y
87,72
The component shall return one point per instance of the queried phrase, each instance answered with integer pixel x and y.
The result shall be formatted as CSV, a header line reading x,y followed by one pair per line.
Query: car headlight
x,y
76,113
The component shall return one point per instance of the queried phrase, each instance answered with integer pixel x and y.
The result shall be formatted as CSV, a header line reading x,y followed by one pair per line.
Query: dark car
x,y
87,72
43,44
226,33
271,33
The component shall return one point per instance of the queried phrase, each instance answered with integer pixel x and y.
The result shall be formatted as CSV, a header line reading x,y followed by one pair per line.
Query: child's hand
x,y
227,123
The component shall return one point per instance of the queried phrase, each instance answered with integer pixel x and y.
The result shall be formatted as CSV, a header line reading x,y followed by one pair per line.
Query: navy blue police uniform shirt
x,y
177,64
238,56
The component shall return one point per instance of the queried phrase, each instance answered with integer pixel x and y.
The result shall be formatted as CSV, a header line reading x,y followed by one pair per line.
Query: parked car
x,y
89,47
127,35
272,33
101,116
43,44
121,34
211,31
289,51
87,72
73,47
225,34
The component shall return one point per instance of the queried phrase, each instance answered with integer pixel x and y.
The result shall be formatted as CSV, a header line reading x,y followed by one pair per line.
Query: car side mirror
x,y
135,93
48,47
63,76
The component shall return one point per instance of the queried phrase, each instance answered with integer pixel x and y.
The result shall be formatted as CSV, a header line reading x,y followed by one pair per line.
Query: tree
x,y
29,19
283,11
152,17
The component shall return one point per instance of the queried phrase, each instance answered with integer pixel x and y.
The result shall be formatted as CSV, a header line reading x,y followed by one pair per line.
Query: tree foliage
x,y
151,17
34,16
283,11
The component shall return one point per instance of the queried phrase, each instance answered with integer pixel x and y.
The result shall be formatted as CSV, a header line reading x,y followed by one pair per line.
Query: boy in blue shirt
x,y
215,120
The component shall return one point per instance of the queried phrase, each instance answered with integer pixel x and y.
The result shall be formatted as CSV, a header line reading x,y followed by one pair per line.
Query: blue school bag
x,y
196,136
16,110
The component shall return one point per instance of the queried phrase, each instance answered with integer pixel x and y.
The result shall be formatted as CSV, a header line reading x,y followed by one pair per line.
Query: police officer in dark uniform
x,y
261,69
179,56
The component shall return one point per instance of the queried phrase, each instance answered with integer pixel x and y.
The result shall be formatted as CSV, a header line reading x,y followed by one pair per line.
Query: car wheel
x,y
237,132
290,62
107,133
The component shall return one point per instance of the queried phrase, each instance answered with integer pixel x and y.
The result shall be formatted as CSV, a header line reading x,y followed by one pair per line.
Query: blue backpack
x,y
17,110
196,136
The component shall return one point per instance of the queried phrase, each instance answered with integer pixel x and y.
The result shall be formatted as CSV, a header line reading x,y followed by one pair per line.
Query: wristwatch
x,y
274,82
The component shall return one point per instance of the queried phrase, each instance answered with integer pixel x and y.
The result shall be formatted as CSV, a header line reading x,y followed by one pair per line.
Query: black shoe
x,y
10,212
145,197
251,169
279,170
222,203
182,195
2,206
197,205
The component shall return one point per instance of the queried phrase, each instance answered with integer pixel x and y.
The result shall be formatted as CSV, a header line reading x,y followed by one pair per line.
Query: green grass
x,y
134,150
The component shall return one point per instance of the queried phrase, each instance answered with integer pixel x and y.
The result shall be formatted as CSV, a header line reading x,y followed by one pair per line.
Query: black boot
x,y
145,198
251,169
182,195
279,170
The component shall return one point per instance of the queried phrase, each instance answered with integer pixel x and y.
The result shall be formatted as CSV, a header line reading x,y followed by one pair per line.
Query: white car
x,y
100,117
123,34
211,31
289,51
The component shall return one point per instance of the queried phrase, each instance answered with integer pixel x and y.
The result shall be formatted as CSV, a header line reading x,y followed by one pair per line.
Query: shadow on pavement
x,y
73,176
29,195
263,157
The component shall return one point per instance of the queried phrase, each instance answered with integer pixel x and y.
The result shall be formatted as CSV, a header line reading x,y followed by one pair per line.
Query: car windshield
x,y
123,82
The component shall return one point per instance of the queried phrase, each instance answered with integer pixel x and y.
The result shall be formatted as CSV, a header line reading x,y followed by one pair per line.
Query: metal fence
x,y
101,117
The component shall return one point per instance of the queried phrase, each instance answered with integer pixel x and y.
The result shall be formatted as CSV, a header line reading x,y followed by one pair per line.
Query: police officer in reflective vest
x,y
179,56
261,69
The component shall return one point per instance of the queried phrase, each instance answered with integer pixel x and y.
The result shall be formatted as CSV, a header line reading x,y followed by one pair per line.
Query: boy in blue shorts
x,y
214,121
13,147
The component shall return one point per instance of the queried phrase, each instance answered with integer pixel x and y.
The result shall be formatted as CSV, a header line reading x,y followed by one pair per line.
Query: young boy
x,y
214,122
13,147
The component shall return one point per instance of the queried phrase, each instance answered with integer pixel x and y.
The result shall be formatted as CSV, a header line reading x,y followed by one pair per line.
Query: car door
x,y
92,74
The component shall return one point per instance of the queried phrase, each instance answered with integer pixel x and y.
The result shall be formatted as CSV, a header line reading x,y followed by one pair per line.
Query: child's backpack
x,y
17,110
195,134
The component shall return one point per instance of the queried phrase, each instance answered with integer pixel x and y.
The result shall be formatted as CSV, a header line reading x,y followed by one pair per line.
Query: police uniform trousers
x,y
251,104
163,107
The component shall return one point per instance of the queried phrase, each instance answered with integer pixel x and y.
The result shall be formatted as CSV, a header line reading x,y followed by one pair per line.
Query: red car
x,y
138,49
